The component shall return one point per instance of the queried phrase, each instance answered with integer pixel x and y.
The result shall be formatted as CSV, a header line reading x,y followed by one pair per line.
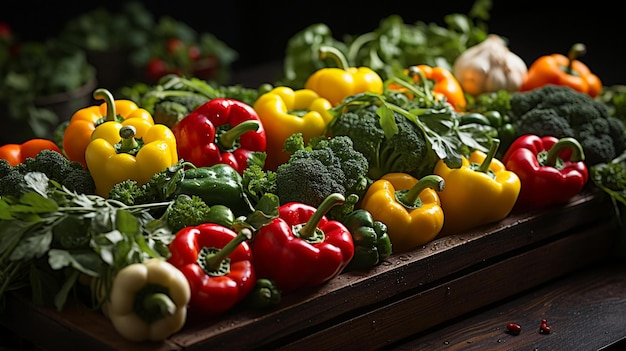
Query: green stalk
x,y
214,261
410,197
228,138
309,231
552,156
103,94
336,55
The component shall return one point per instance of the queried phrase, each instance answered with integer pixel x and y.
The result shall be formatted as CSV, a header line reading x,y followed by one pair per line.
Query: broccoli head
x,y
406,151
325,166
59,168
561,111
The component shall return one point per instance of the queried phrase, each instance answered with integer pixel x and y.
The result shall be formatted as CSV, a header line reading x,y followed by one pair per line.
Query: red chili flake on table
x,y
513,328
544,328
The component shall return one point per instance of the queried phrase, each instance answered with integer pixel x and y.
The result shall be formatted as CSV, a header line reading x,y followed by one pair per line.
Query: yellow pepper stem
x,y
129,143
309,230
103,94
484,166
409,198
228,138
335,54
551,157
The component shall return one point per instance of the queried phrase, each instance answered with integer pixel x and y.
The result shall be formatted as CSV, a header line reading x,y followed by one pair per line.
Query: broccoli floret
x,y
11,180
563,112
405,151
128,192
174,108
187,211
325,166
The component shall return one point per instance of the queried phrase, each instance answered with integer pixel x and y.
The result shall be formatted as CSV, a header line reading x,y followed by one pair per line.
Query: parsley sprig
x,y
50,236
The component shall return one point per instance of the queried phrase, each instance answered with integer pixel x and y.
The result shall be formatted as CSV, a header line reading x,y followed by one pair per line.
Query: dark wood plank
x,y
585,311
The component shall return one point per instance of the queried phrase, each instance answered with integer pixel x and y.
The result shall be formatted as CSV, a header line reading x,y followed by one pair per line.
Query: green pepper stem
x,y
158,305
227,139
410,197
577,50
484,166
214,260
563,143
310,228
128,142
335,54
103,94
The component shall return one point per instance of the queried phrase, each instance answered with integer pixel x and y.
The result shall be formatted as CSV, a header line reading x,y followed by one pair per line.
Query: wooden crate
x,y
404,295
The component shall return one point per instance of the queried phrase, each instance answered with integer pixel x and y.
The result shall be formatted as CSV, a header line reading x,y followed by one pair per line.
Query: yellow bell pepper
x,y
481,191
283,112
133,153
337,83
410,208
77,135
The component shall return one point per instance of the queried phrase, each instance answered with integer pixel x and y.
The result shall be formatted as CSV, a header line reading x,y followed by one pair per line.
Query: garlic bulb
x,y
489,66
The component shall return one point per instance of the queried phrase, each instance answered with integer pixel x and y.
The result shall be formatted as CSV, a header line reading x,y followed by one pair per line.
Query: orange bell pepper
x,y
444,84
77,135
563,70
18,153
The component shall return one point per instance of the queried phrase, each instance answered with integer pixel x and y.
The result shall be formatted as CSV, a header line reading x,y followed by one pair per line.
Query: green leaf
x,y
11,232
61,297
86,262
387,121
33,245
32,202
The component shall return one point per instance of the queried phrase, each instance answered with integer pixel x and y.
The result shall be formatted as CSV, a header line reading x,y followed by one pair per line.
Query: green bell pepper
x,y
371,242
219,184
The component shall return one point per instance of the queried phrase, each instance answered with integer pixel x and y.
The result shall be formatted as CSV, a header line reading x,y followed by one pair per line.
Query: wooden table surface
x,y
585,310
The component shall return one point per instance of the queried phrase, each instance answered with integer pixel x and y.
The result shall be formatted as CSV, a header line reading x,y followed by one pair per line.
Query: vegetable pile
x,y
185,198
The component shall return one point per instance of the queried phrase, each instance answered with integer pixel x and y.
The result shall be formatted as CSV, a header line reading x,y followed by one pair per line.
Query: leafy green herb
x,y
50,235
394,44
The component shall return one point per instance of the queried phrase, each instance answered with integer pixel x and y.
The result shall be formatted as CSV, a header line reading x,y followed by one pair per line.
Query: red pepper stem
x,y
334,54
214,260
577,50
410,198
128,142
227,139
103,94
563,143
484,166
309,229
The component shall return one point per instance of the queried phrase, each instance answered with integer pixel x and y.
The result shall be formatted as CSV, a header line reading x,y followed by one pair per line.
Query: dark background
x,y
259,31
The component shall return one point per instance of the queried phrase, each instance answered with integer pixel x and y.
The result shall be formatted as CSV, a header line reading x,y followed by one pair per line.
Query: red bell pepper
x,y
302,247
222,130
18,153
551,170
217,262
